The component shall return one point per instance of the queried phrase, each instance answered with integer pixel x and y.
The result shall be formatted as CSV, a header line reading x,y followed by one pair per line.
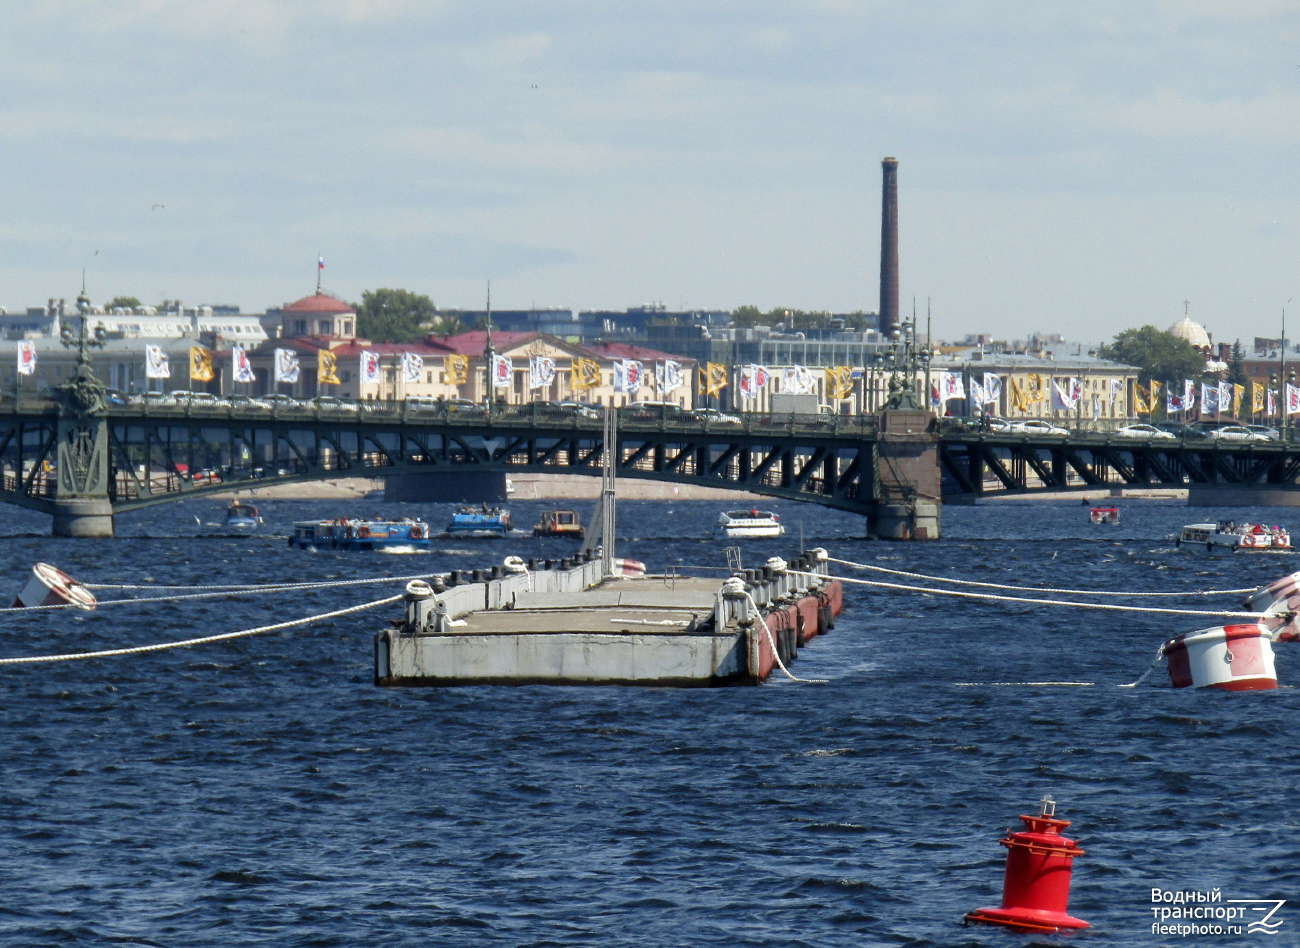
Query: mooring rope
x,y
1253,616
222,591
1049,589
185,643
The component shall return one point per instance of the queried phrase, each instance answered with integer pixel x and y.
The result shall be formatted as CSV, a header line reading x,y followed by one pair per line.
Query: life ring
x,y
417,533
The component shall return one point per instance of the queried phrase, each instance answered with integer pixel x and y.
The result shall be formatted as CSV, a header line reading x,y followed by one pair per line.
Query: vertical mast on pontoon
x,y
604,521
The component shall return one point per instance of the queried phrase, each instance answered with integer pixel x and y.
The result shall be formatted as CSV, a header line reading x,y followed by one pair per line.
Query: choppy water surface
x,y
263,791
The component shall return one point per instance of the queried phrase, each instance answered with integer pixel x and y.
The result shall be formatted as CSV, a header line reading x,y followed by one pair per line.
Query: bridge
x,y
979,464
83,455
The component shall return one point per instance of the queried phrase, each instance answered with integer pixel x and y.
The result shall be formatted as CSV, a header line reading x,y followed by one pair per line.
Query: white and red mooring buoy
x,y
624,567
50,586
1036,887
1229,657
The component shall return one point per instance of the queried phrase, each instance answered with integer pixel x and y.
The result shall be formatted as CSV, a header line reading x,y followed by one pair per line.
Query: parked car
x,y
1271,433
995,424
1038,427
465,406
1177,429
1145,432
1235,433
581,409
335,404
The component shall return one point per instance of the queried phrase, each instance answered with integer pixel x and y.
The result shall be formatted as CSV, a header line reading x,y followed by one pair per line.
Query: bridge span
x,y
84,467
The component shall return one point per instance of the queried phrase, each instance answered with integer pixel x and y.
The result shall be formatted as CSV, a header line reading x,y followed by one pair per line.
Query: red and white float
x,y
50,586
1230,657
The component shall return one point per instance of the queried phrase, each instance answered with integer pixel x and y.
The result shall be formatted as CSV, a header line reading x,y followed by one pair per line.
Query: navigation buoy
x,y
1277,591
50,586
1230,657
1036,888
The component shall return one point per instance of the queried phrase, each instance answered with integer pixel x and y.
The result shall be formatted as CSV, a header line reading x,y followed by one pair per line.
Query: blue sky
x,y
1076,168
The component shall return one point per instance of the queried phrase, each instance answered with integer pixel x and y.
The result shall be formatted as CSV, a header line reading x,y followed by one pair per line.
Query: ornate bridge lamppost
x,y
82,507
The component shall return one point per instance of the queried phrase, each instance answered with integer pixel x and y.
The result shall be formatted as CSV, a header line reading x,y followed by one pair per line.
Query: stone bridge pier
x,y
909,485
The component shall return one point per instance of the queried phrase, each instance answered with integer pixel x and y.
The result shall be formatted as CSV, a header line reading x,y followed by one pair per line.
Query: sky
x,y
1074,168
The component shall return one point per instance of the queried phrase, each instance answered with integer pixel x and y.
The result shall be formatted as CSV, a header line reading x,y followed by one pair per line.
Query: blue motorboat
x,y
345,534
482,521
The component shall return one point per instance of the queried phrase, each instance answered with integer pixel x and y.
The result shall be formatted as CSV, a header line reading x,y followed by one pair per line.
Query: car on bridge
x,y
1037,426
713,416
1271,433
1145,432
1236,433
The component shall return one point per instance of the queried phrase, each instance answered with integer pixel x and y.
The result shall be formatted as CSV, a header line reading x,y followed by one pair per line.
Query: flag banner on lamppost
x,y
992,388
950,386
713,378
27,357
286,366
1209,399
457,369
503,371
628,376
369,367
541,371
796,380
201,369
1292,399
839,381
156,364
327,368
412,368
753,378
1141,401
584,374
1067,398
668,376
241,370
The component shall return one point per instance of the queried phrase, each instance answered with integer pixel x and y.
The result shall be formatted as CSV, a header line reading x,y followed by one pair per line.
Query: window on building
x,y
347,327
347,375
300,326
325,327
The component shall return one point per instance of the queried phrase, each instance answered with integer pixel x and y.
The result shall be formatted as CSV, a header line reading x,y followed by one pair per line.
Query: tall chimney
x,y
889,246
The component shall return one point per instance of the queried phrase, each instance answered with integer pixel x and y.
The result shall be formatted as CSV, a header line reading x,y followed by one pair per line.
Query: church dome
x,y
320,303
1191,332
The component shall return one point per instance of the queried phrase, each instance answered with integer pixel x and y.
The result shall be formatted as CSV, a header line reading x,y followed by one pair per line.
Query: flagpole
x,y
1286,400
490,357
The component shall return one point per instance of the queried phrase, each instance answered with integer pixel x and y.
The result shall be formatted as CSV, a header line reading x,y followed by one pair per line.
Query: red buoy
x,y
1036,889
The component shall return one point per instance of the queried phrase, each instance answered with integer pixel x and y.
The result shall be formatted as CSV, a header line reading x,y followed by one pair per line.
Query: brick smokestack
x,y
889,246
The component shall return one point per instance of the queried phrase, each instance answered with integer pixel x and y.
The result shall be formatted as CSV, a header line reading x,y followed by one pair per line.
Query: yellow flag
x,y
1141,400
327,368
1036,390
1018,396
1238,393
839,381
201,365
1257,397
457,369
715,378
584,374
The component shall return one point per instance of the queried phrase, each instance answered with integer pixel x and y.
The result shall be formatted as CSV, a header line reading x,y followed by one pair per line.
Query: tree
x,y
1237,366
1157,354
126,302
394,315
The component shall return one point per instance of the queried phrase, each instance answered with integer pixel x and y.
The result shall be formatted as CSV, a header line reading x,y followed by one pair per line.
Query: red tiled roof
x,y
319,303
387,348
626,350
474,343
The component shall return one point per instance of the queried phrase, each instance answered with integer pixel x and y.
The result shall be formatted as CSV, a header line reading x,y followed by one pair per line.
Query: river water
x,y
263,791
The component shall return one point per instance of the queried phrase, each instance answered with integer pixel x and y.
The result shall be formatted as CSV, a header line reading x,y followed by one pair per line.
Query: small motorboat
x,y
345,534
482,521
242,517
559,523
749,523
1230,535
1103,515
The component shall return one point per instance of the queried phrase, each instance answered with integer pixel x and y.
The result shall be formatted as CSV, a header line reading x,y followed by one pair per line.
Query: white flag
x,y
541,371
668,376
976,394
628,376
286,366
241,369
155,363
503,371
950,386
796,380
1292,399
27,358
412,367
369,366
1116,386
1067,398
753,378
1209,399
1225,397
992,388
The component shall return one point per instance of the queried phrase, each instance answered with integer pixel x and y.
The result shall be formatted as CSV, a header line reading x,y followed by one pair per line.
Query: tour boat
x,y
1234,536
481,521
242,517
1104,515
749,523
559,523
345,534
